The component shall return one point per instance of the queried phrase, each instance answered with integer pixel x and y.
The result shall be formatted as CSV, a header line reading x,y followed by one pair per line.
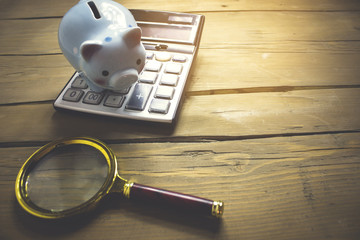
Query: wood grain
x,y
270,49
236,115
270,124
234,5
27,75
310,184
41,9
247,29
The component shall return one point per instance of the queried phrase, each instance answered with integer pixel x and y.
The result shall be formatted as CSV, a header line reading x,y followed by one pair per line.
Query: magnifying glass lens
x,y
66,177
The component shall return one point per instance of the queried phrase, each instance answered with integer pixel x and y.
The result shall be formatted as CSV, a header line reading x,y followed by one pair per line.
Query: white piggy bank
x,y
101,40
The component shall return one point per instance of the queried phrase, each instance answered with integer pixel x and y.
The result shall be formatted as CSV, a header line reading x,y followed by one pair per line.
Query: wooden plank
x,y
271,27
246,30
208,117
40,8
262,58
289,187
24,37
240,68
33,78
41,78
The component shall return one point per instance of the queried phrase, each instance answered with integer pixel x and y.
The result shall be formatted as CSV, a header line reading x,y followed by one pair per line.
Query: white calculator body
x,y
171,41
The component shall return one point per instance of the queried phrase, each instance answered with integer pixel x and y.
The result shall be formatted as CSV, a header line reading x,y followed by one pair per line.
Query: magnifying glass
x,y
71,176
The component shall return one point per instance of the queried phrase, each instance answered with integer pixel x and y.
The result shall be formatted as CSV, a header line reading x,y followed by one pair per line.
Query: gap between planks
x,y
226,91
266,89
211,11
186,139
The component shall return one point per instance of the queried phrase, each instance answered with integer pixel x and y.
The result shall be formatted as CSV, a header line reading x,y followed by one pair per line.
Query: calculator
x,y
171,41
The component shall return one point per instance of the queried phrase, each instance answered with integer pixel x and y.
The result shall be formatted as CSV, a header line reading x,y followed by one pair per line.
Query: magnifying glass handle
x,y
176,200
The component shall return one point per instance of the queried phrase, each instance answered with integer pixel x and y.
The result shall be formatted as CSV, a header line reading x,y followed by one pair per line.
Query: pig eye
x,y
105,73
138,62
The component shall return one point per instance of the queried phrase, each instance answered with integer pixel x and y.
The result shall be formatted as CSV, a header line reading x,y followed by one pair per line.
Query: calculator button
x,y
159,106
164,92
73,95
163,56
123,91
169,79
153,66
79,82
93,98
114,101
174,68
139,97
148,77
149,55
179,58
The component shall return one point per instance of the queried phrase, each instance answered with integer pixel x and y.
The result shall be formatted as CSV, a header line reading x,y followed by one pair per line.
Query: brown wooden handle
x,y
176,200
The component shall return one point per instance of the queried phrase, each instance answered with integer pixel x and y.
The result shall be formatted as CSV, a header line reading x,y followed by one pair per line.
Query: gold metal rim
x,y
217,208
127,189
20,183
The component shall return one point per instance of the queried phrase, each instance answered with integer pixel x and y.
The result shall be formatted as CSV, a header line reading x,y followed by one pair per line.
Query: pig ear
x,y
88,49
132,37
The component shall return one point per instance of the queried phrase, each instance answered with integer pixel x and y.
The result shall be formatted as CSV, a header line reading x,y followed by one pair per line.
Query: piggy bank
x,y
101,40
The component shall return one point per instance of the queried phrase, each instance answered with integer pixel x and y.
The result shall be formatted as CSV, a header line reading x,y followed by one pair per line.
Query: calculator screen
x,y
169,32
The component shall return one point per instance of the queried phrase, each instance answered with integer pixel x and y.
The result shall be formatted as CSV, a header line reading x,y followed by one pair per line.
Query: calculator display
x,y
169,32
168,26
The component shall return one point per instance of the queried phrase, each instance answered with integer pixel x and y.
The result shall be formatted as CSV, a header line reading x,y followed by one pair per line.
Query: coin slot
x,y
94,9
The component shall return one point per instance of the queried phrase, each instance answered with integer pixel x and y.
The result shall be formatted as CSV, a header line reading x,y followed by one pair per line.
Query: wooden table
x,y
270,124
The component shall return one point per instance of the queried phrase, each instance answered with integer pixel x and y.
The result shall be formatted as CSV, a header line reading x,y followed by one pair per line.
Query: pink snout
x,y
123,79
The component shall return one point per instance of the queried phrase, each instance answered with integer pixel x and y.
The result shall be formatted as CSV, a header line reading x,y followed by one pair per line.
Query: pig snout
x,y
124,79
